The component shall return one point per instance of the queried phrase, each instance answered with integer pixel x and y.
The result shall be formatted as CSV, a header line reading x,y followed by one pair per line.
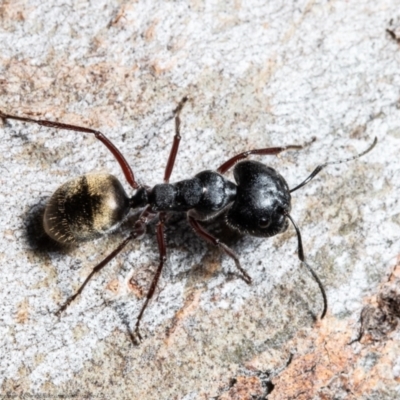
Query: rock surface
x,y
258,74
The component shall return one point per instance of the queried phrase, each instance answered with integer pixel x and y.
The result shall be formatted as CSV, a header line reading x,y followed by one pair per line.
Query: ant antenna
x,y
313,273
300,243
322,166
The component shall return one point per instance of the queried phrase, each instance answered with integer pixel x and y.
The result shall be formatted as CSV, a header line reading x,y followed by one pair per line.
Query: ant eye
x,y
263,222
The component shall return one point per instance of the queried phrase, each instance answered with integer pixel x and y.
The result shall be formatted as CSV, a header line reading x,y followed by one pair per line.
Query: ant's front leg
x,y
241,156
194,223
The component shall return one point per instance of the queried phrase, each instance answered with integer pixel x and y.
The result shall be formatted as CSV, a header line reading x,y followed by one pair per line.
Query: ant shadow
x,y
179,235
35,236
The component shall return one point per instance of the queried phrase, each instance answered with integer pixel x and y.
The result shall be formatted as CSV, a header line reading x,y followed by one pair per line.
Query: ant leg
x,y
177,139
216,242
322,166
126,169
313,273
139,230
268,151
162,248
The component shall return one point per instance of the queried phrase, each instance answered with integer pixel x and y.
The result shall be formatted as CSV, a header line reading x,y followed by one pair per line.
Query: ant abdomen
x,y
86,208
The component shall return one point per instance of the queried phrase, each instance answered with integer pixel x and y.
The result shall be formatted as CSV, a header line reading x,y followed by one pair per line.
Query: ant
x,y
92,205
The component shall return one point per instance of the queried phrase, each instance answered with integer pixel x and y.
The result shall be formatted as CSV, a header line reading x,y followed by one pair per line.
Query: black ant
x,y
258,204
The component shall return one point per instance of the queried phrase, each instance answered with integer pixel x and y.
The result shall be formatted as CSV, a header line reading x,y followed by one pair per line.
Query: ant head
x,y
262,201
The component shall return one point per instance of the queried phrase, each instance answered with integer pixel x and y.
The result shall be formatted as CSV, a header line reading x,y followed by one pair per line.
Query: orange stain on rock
x,y
244,388
332,363
189,307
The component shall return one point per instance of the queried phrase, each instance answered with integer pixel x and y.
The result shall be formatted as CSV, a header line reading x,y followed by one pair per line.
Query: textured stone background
x,y
258,74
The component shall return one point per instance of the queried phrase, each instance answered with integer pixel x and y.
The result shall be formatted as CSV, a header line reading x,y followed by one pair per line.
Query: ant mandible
x,y
258,204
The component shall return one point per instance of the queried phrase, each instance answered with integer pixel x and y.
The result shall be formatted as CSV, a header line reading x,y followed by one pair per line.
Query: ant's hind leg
x,y
216,242
126,169
139,230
